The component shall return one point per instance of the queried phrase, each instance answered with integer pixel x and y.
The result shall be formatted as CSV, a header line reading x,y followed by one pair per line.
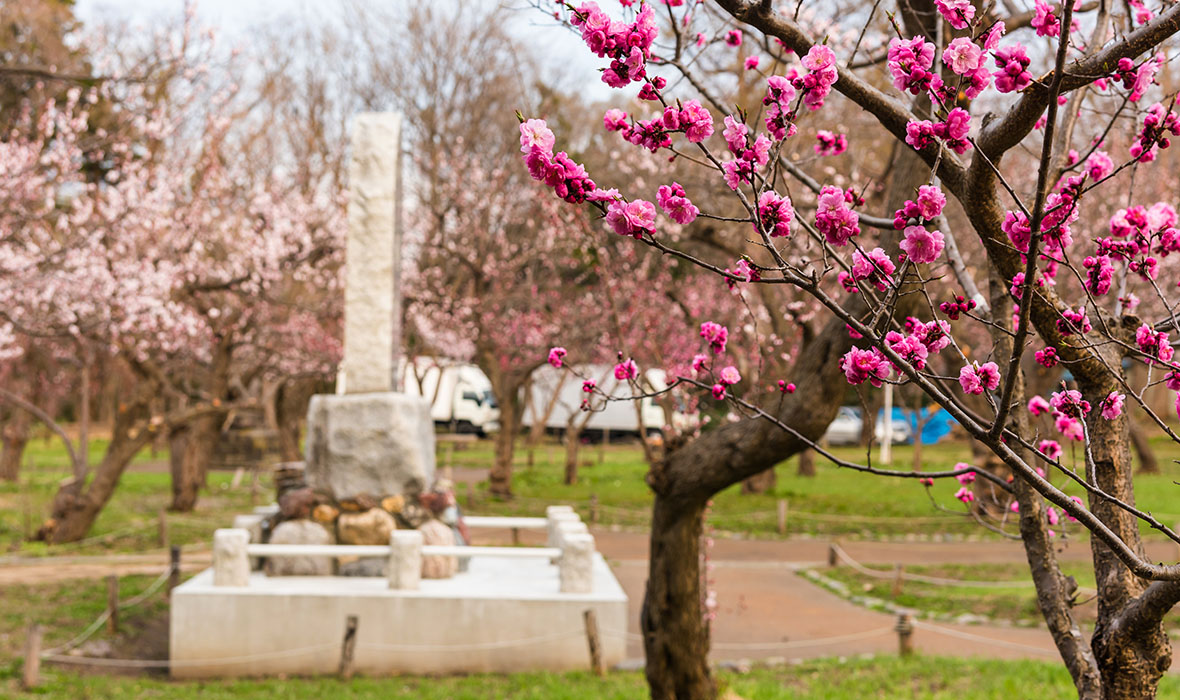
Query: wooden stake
x,y
174,569
782,516
348,647
833,557
898,577
32,670
516,537
162,527
593,509
592,642
905,634
113,604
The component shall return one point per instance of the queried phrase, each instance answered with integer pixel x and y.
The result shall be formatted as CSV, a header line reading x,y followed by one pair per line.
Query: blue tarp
x,y
936,428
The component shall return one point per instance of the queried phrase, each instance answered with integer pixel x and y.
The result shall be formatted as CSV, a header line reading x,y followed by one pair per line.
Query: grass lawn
x,y
1016,603
836,502
882,678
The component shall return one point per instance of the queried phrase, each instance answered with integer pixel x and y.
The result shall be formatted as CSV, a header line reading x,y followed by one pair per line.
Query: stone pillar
x,y
576,567
566,528
231,566
253,524
372,303
555,518
405,560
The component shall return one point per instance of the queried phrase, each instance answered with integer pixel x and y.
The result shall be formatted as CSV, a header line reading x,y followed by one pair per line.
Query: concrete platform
x,y
502,615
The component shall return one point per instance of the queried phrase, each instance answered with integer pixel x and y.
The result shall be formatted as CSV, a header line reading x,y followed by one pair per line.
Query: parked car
x,y
847,426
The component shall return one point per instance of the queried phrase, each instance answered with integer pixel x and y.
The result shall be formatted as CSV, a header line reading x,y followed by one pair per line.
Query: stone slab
x,y
378,444
501,616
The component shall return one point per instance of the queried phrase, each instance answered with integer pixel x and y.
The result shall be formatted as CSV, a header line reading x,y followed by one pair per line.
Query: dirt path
x,y
765,609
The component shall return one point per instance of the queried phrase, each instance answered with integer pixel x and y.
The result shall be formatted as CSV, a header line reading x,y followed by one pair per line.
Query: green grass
x,y
1017,603
882,678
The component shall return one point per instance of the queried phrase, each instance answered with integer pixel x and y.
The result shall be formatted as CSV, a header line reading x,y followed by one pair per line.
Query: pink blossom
x,y
820,62
719,392
1038,405
876,267
1070,403
780,93
1044,21
975,378
696,121
626,370
556,355
910,348
966,477
965,495
834,218
861,365
1050,448
1013,75
614,119
1074,321
698,361
715,335
633,218
963,56
958,13
786,387
1078,501
535,133
676,204
729,375
1070,428
909,63
735,135
1047,357
734,37
830,144
922,246
1154,344
589,386
751,62
1051,514
775,214
991,39
1112,405
1014,507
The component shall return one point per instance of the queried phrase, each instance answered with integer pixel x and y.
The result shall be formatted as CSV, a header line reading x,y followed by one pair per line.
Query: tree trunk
x,y
290,410
806,463
500,475
760,482
573,440
675,632
191,451
1148,464
13,438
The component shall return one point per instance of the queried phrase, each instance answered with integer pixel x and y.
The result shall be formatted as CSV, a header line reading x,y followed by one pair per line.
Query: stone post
x,y
577,564
372,257
405,560
566,528
231,566
555,518
253,524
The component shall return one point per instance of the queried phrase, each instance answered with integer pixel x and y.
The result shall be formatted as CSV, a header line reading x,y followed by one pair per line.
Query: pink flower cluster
x,y
627,45
965,495
1099,275
834,218
909,63
715,335
1038,405
727,377
1070,403
953,131
958,13
626,370
1154,344
1158,122
921,245
865,365
748,156
1136,79
556,355
780,116
975,378
1074,321
775,214
676,204
964,57
633,218
1112,405
960,305
567,178
830,144
1047,357
1044,20
820,63
910,348
876,268
692,118
1013,75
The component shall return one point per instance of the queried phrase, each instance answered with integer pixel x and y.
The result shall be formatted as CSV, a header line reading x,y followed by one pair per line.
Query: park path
x,y
765,609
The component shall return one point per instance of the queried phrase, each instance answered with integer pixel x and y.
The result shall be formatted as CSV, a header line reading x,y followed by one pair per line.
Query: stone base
x,y
379,444
504,615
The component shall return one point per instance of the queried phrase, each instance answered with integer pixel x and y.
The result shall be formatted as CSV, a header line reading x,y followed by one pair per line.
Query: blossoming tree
x,y
963,90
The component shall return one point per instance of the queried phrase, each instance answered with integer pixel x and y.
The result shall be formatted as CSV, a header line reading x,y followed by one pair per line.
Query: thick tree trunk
x,y
760,482
573,440
500,475
13,438
191,450
290,410
675,632
806,463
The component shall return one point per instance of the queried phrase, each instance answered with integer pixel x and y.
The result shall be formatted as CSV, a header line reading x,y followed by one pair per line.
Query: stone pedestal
x,y
231,566
380,444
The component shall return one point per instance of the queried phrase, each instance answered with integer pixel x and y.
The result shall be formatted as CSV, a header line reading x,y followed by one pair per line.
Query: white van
x,y
557,393
460,394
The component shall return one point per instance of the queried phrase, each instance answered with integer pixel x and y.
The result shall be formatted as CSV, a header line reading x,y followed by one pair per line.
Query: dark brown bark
x,y
191,447
806,463
573,439
675,632
13,438
290,410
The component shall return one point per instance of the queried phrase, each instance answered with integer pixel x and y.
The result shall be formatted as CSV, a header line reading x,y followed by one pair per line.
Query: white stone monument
x,y
367,439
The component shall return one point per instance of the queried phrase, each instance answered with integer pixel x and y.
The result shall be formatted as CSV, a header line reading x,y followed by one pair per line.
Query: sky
x,y
238,17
